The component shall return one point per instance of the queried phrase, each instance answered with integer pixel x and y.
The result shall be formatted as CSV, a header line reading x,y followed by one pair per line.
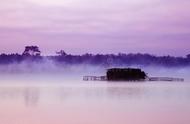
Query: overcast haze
x,y
158,27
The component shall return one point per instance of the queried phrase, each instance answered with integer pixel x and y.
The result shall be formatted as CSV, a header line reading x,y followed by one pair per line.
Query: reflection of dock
x,y
95,78
165,79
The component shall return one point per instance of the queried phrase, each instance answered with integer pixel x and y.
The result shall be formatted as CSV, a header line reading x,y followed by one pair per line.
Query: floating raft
x,y
128,74
104,78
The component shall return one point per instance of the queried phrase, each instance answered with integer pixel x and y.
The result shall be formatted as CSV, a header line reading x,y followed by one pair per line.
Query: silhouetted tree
x,y
31,51
61,53
188,56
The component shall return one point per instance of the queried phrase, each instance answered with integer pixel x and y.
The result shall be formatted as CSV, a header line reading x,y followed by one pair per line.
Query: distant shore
x,y
32,54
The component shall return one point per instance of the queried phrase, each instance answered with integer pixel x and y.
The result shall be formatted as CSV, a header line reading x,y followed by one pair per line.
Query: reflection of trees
x,y
30,96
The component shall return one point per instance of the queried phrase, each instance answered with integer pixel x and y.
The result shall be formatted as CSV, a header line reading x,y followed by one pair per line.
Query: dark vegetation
x,y
32,54
125,74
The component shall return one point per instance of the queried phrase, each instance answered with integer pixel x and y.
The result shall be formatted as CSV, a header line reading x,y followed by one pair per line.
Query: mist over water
x,y
49,93
50,69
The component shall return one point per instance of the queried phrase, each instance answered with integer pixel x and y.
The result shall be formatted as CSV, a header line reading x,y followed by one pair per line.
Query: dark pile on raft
x,y
125,74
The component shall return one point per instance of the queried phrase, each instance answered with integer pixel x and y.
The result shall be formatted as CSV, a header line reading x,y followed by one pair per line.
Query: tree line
x,y
32,54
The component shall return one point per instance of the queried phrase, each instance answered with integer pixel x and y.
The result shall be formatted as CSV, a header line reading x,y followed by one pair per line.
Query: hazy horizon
x,y
93,53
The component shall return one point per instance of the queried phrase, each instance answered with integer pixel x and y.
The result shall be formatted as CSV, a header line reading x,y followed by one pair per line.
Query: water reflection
x,y
29,96
108,93
33,96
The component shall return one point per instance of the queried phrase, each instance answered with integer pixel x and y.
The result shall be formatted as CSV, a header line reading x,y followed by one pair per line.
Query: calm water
x,y
58,101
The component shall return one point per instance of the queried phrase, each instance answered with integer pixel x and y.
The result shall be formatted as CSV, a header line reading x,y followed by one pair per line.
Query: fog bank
x,y
78,70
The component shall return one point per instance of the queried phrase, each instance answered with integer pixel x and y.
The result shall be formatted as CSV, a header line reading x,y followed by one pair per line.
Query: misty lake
x,y
61,101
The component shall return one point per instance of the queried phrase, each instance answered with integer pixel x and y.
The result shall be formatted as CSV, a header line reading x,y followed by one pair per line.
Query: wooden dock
x,y
95,78
165,79
104,78
129,75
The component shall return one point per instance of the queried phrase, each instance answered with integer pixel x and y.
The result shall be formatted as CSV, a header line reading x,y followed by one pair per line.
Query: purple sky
x,y
159,27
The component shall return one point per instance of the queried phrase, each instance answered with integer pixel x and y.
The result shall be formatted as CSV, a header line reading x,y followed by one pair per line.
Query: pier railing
x,y
95,78
165,79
